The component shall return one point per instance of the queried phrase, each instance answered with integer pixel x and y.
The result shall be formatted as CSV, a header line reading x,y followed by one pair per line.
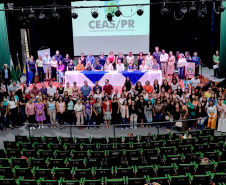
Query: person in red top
x,y
108,88
148,87
34,90
107,110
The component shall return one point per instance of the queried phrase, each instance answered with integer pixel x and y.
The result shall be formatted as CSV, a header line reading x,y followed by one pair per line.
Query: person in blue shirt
x,y
102,58
90,58
98,66
197,60
58,57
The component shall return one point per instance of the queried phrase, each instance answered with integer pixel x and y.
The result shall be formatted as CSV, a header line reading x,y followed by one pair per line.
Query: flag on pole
x,y
13,74
28,75
18,69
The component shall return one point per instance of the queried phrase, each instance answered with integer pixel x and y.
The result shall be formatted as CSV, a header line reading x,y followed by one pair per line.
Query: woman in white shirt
x,y
39,64
79,112
13,109
54,67
149,60
143,66
124,109
130,58
122,99
212,113
181,64
120,66
108,66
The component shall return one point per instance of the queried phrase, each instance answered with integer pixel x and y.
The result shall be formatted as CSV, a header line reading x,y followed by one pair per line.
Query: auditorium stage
x,y
23,130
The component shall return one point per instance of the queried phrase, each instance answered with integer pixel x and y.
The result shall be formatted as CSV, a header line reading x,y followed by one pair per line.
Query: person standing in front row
x,y
51,111
47,66
164,59
13,109
61,111
86,90
79,113
30,111
40,113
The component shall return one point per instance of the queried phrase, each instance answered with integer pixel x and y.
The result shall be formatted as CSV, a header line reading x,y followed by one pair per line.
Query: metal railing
x,y
117,125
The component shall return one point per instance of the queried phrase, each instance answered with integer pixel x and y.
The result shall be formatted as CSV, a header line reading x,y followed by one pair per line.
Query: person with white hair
x,y
6,75
47,66
181,64
197,60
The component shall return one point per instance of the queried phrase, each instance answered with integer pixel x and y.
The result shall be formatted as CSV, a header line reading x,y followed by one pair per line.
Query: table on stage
x,y
115,78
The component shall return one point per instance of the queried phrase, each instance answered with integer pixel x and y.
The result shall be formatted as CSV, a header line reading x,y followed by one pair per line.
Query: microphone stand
x,y
202,65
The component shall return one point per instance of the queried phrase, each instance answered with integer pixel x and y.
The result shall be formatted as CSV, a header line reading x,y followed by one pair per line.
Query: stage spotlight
x,y
140,12
221,8
42,15
94,14
164,10
183,9
118,13
31,14
192,7
55,15
74,15
202,10
109,17
20,18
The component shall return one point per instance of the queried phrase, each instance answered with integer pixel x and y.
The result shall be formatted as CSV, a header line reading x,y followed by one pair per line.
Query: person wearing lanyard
x,y
51,111
79,113
30,111
70,110
32,67
6,75
39,64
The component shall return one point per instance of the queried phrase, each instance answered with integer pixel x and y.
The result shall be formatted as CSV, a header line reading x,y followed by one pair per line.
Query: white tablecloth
x,y
115,78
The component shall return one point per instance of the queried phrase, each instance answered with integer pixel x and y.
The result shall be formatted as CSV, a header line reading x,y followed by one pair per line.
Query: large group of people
x,y
49,68
141,105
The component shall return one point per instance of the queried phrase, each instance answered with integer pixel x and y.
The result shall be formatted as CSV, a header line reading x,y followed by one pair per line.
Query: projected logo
x,y
114,25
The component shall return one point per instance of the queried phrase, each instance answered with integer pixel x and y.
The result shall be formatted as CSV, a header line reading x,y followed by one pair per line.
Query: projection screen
x,y
129,32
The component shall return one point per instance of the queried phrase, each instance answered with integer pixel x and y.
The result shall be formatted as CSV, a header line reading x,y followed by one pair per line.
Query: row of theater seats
x,y
163,158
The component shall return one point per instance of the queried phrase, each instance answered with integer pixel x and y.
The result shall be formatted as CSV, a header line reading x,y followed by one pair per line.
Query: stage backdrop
x,y
4,43
223,44
125,33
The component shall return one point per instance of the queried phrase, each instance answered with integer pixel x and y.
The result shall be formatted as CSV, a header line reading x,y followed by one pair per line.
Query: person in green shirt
x,y
216,61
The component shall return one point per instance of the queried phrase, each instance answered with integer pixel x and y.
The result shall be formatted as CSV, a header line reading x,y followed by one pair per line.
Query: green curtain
x,y
4,43
222,66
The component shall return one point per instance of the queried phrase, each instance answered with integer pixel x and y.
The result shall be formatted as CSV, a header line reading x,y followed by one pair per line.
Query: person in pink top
x,y
60,71
171,61
40,113
111,58
30,111
61,106
222,114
